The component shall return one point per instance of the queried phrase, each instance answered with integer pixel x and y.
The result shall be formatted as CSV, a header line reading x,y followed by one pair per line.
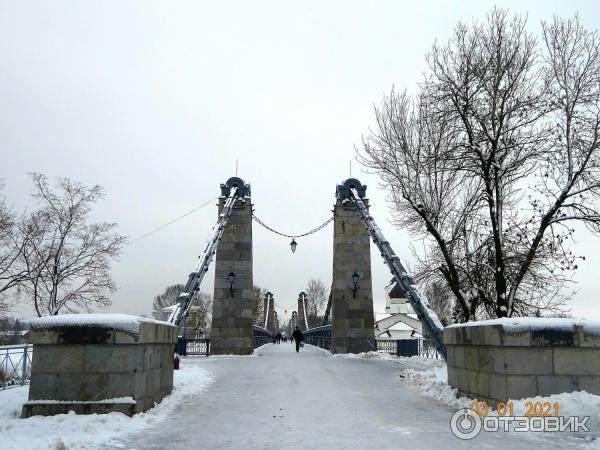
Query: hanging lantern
x,y
293,245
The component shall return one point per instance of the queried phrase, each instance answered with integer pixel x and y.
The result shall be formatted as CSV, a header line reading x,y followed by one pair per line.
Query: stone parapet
x,y
504,359
96,363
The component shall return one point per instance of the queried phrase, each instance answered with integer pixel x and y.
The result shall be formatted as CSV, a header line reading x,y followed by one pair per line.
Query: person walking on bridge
x,y
298,337
278,337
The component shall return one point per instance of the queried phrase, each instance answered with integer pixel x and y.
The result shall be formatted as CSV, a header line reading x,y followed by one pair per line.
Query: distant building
x,y
399,320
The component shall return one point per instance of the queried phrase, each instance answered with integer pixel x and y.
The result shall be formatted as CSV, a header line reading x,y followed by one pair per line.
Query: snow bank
x,y
417,363
121,322
430,376
433,382
365,355
90,431
523,324
123,400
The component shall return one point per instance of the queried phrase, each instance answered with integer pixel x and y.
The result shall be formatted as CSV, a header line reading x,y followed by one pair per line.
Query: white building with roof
x,y
399,320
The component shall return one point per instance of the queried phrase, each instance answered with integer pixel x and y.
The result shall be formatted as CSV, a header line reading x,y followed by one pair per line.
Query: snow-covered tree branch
x,y
66,259
493,158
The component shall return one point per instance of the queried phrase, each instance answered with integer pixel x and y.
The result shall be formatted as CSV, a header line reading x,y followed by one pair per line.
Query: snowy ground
x,y
279,399
312,400
431,377
70,431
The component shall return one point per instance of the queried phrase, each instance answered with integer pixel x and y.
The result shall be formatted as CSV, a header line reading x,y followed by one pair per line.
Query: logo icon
x,y
465,424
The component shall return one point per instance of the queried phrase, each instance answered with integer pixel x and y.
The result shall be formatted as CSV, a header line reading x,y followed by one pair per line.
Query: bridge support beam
x,y
232,330
352,293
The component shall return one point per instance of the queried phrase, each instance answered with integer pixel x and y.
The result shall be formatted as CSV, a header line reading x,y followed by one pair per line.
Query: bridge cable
x,y
314,230
173,221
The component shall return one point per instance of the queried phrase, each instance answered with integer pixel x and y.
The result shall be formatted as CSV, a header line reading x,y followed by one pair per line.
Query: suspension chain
x,y
320,227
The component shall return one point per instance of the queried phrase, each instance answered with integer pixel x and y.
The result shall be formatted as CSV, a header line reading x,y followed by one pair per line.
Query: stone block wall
x,y
507,359
98,363
232,332
352,317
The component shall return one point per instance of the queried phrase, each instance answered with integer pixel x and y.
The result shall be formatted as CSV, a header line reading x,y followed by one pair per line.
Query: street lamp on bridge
x,y
355,278
231,280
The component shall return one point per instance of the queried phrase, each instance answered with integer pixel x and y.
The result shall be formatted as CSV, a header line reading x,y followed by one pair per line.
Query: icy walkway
x,y
283,400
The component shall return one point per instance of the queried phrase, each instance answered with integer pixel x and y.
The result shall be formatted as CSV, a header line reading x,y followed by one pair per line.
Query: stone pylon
x,y
265,311
293,321
300,322
352,317
271,316
232,331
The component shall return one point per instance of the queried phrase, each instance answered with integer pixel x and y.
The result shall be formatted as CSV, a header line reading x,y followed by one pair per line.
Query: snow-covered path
x,y
283,400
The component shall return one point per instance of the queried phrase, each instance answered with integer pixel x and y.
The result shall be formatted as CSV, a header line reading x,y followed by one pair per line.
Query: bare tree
x,y
67,259
258,295
200,313
498,152
198,317
12,245
440,300
7,253
316,298
167,298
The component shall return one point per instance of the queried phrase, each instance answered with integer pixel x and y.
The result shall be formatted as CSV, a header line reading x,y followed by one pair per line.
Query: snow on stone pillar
x,y
232,331
352,304
99,363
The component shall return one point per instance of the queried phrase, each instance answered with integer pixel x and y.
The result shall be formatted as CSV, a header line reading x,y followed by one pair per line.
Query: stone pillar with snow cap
x,y
99,363
352,318
514,358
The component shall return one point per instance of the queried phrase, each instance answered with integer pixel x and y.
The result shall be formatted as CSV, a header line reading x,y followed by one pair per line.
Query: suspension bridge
x,y
348,325
280,398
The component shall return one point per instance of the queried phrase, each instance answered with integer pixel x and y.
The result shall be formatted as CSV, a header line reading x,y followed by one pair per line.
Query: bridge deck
x,y
284,400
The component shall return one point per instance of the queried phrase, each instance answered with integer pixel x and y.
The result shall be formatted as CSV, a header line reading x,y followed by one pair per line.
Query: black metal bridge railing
x,y
409,347
262,336
193,347
319,337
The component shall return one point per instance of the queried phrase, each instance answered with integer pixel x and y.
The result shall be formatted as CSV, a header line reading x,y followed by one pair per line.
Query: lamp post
x,y
355,278
231,280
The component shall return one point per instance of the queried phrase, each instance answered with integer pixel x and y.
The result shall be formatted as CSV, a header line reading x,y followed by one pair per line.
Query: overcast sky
x,y
156,100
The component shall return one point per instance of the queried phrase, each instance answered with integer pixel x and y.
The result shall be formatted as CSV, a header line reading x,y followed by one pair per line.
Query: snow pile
x,y
123,400
523,324
365,355
433,382
95,430
121,322
416,362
